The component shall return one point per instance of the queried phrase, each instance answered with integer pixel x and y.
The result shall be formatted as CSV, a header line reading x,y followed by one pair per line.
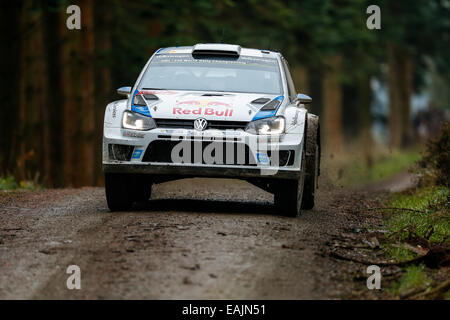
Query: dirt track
x,y
195,239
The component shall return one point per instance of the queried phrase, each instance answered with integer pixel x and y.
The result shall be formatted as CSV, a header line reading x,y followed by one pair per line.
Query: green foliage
x,y
398,253
418,216
415,277
437,157
9,183
423,213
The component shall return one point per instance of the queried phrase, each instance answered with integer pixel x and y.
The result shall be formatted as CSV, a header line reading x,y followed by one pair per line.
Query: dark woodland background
x,y
56,82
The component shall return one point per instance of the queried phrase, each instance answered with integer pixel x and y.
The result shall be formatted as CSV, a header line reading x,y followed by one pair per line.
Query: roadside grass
x,y
423,214
354,168
415,277
9,183
426,215
397,252
383,167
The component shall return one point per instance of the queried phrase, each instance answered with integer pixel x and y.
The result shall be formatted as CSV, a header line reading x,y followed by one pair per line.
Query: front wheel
x,y
312,173
142,187
119,191
312,164
288,196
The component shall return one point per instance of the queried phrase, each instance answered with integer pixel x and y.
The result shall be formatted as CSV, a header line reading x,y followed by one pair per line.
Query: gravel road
x,y
195,239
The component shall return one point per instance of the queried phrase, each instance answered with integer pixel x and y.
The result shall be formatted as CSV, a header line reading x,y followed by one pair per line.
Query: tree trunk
x,y
400,76
406,92
20,136
54,97
364,118
103,81
66,87
87,151
332,108
40,107
10,67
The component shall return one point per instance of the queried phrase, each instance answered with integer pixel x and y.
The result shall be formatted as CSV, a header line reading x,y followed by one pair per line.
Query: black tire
x,y
119,191
289,194
312,166
142,188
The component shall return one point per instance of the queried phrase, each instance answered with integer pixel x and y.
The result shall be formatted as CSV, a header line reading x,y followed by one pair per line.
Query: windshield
x,y
183,72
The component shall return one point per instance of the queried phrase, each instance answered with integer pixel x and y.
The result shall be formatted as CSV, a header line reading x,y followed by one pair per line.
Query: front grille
x,y
120,152
189,124
232,153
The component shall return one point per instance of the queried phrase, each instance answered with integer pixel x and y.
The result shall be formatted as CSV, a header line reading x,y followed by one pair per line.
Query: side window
x,y
290,83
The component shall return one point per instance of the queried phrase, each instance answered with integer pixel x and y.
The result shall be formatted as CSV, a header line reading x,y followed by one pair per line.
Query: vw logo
x,y
200,124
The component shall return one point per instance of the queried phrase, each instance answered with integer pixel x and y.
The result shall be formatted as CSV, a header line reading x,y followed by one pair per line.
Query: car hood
x,y
209,105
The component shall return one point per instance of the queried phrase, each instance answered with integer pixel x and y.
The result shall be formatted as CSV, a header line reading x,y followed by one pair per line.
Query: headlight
x,y
273,125
135,121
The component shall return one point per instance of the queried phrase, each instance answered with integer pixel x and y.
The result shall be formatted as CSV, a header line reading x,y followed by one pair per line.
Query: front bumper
x,y
199,171
140,142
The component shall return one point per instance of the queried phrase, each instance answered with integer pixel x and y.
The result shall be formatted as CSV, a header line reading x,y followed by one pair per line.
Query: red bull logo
x,y
203,107
203,111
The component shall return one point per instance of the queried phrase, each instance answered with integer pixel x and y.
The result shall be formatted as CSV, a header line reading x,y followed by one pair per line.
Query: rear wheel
x,y
288,196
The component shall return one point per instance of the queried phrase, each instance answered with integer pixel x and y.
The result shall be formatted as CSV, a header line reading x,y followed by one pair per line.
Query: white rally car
x,y
212,110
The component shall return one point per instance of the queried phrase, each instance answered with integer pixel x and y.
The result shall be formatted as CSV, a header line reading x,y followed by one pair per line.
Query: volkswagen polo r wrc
x,y
212,110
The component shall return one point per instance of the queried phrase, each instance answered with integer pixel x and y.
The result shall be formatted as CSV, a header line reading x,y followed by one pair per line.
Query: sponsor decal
x,y
203,112
232,132
141,110
133,134
137,154
203,107
114,110
262,158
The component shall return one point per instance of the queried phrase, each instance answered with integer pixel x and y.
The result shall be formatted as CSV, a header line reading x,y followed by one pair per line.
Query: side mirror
x,y
303,98
125,91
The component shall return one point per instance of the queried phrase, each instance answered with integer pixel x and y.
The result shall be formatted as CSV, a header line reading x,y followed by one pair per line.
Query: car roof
x,y
262,53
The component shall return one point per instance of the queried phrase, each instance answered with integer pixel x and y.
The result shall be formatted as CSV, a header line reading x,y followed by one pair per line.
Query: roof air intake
x,y
216,49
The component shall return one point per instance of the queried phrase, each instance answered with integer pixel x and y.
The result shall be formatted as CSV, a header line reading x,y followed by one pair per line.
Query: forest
x,y
56,82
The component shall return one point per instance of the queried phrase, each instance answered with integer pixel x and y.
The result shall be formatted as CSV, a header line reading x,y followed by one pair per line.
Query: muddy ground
x,y
195,239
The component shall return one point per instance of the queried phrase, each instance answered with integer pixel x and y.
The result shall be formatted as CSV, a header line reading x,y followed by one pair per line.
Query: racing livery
x,y
212,110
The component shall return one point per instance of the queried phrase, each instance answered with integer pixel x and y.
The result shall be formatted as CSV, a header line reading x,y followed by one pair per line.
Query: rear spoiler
x,y
216,49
